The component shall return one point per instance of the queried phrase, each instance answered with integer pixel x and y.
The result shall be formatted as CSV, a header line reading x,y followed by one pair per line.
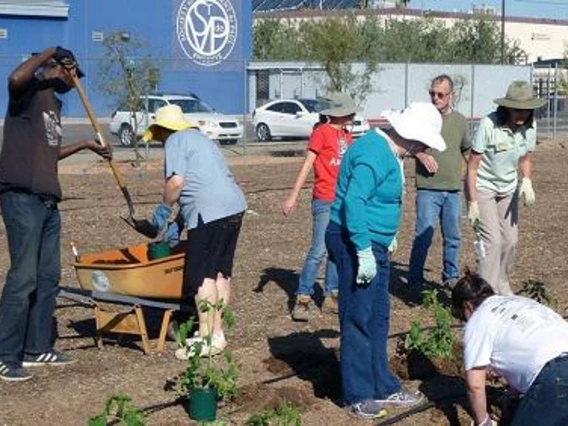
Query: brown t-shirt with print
x,y
32,138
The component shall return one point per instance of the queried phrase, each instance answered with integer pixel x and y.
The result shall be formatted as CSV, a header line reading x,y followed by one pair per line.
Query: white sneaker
x,y
218,344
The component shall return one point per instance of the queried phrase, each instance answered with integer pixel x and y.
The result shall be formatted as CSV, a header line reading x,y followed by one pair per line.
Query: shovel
x,y
99,133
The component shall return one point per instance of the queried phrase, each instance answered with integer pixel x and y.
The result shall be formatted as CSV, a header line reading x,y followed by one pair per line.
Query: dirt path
x,y
269,257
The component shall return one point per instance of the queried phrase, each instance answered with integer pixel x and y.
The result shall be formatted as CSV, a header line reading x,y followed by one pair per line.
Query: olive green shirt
x,y
448,177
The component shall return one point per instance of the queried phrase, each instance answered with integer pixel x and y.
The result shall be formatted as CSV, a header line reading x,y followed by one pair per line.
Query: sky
x,y
555,9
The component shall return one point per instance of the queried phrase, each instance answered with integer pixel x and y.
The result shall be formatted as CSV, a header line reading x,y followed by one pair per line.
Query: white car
x,y
294,118
223,128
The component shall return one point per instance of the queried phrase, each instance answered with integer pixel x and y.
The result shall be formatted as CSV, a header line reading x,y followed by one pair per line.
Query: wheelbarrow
x,y
128,277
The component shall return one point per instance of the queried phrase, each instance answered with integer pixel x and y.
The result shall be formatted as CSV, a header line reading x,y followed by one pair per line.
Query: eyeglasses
x,y
439,95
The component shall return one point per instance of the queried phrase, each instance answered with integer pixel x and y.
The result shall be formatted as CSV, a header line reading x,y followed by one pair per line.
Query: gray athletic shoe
x,y
403,398
13,373
48,358
367,409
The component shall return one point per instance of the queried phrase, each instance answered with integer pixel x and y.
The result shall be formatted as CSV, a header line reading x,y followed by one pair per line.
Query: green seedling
x,y
285,414
119,411
537,291
438,341
209,372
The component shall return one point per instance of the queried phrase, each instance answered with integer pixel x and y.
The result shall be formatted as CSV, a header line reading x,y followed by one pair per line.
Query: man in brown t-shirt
x,y
29,193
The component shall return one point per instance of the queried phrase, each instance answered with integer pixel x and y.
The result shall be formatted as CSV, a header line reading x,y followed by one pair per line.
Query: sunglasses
x,y
439,95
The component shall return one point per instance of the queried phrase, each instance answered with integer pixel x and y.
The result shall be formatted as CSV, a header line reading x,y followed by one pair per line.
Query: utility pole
x,y
502,31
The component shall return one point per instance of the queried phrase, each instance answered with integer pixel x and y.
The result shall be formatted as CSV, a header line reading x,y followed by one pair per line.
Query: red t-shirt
x,y
329,144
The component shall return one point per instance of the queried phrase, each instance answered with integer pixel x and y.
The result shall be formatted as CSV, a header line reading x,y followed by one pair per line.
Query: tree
x,y
478,40
126,73
369,40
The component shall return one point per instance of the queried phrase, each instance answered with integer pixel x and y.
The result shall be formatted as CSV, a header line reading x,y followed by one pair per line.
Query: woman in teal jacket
x,y
364,221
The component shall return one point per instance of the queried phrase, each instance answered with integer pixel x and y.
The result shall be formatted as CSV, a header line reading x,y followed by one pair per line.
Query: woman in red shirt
x,y
326,147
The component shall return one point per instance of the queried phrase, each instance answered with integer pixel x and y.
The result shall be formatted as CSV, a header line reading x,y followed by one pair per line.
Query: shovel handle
x,y
100,137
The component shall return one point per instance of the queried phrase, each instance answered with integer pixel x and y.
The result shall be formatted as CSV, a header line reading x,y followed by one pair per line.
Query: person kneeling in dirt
x,y
519,339
212,205
365,218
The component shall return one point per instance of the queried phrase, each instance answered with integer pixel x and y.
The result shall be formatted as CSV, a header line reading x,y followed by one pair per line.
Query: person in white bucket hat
x,y
364,220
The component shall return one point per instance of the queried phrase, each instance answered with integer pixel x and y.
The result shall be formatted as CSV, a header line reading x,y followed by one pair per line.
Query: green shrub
x,y
438,341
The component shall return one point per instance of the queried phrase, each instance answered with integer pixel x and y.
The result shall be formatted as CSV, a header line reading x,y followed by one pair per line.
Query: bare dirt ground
x,y
297,361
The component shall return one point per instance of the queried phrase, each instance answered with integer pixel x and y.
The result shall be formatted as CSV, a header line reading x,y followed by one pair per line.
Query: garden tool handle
x,y
100,137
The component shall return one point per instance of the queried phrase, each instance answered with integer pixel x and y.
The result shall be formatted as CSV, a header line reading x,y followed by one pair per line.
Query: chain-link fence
x,y
550,83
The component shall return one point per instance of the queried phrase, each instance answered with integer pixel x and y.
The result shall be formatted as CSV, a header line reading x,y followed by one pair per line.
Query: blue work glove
x,y
161,215
173,232
367,266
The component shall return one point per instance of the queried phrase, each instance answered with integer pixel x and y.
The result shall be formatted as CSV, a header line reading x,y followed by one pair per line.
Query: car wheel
x,y
126,135
228,142
263,132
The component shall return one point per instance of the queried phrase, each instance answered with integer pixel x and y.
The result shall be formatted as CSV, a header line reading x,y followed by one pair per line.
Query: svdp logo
x,y
206,30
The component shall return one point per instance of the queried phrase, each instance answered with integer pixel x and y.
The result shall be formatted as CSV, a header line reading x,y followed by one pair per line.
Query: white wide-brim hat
x,y
420,121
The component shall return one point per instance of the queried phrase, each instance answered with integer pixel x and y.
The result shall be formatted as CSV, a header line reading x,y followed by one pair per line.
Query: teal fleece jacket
x,y
368,194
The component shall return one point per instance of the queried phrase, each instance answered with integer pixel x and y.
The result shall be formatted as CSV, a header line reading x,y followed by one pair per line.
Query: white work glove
x,y
487,422
526,190
393,245
367,266
473,213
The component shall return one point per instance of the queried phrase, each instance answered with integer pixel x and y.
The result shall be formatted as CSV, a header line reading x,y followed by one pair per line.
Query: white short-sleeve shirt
x,y
515,336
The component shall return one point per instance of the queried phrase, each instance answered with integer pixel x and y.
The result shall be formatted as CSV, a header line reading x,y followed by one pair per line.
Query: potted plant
x,y
207,380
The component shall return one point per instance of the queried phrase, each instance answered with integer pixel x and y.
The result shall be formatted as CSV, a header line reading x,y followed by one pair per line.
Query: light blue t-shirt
x,y
209,188
501,149
368,194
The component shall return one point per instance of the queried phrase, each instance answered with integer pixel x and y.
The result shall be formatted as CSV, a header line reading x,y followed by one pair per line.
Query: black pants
x,y
210,251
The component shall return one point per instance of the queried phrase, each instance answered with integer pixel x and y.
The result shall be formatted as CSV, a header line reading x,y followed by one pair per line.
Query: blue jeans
x,y
431,207
28,299
364,313
546,401
317,253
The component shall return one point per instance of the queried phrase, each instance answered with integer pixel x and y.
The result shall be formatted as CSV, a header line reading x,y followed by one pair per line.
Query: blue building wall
x,y
153,21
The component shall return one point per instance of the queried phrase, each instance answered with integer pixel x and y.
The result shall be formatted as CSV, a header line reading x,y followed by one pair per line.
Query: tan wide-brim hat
x,y
519,96
340,105
169,117
420,121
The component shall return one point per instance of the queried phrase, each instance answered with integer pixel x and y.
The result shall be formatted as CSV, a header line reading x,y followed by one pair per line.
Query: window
x,y
191,105
290,108
49,8
275,108
154,104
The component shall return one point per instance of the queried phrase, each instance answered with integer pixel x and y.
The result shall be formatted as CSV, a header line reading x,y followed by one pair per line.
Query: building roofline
x,y
317,13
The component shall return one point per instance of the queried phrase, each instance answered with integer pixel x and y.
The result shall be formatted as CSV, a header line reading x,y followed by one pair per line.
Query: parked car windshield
x,y
314,105
191,105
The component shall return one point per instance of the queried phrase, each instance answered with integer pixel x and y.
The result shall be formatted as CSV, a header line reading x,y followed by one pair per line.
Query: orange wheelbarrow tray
x,y
128,271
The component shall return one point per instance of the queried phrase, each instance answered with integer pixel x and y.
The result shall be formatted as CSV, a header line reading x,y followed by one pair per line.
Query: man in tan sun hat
x,y
500,148
212,205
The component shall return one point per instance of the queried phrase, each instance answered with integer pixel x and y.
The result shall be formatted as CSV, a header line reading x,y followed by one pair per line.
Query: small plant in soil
x,y
208,372
119,411
438,341
537,290
285,414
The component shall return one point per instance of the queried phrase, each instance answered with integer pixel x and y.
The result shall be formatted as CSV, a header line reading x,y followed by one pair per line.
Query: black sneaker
x,y
367,409
10,373
48,358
